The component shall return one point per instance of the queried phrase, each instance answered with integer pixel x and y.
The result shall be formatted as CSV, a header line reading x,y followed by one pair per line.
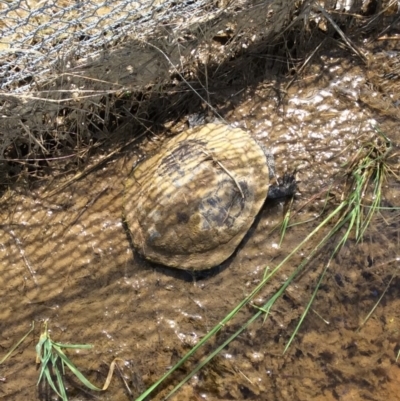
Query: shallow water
x,y
66,258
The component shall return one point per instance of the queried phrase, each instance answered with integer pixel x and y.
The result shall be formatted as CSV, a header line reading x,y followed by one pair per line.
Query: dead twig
x,y
342,35
22,253
303,66
87,171
226,171
185,80
86,207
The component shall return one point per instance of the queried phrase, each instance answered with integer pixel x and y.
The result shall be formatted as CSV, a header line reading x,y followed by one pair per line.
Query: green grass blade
x,y
304,314
44,353
74,369
13,348
220,325
73,346
60,381
201,364
265,309
376,304
285,222
49,379
53,360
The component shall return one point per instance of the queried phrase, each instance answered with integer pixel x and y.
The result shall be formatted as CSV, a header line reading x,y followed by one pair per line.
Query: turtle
x,y
190,204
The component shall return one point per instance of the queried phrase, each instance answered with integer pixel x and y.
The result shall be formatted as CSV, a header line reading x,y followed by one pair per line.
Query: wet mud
x,y
66,258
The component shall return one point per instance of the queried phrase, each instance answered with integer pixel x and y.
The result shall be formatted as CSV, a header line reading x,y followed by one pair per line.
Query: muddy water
x,y
66,258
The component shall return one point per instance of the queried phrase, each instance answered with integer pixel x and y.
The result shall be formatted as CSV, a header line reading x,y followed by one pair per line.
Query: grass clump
x,y
53,361
366,174
368,168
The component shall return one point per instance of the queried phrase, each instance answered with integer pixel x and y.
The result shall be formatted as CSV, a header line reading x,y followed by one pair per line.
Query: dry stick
x,y
88,204
184,80
84,173
90,79
376,305
389,38
123,380
280,32
226,171
38,159
388,27
341,33
32,137
22,252
230,175
382,12
138,120
59,101
22,50
206,75
304,65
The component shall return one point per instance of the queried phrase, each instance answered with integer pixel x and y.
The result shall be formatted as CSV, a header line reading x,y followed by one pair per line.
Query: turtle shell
x,y
190,204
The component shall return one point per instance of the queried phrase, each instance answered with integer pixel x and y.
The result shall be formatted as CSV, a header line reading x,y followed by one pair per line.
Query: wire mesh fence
x,y
64,63
41,37
59,59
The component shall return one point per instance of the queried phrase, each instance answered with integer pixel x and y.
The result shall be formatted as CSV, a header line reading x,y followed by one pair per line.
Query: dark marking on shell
x,y
182,217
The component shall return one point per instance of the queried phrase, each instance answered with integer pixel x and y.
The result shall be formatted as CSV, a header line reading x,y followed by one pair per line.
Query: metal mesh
x,y
37,37
64,64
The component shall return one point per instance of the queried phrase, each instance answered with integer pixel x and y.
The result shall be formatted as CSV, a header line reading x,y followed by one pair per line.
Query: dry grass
x,y
149,78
